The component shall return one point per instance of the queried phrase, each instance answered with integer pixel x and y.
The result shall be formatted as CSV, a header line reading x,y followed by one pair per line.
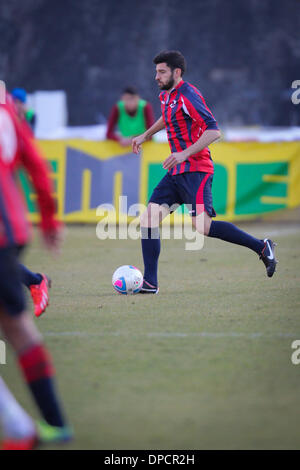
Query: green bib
x,y
29,114
131,125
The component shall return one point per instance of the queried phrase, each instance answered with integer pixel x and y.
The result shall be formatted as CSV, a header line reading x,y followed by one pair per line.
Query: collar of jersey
x,y
177,86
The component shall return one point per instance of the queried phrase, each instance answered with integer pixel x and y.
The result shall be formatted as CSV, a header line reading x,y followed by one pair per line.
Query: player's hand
x,y
174,159
125,141
53,239
137,142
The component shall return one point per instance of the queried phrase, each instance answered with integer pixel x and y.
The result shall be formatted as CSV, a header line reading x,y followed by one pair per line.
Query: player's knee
x,y
144,219
151,216
20,330
207,224
202,223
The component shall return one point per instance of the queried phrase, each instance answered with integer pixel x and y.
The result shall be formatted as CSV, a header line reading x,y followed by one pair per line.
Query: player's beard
x,y
169,85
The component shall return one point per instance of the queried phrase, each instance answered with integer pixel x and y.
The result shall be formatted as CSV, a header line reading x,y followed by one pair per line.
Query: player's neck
x,y
176,82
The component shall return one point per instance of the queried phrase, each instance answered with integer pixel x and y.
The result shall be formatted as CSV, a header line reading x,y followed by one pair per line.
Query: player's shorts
x,y
192,189
12,297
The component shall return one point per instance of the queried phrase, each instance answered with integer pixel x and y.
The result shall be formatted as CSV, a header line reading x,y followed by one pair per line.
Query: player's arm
x,y
194,107
140,139
207,138
38,171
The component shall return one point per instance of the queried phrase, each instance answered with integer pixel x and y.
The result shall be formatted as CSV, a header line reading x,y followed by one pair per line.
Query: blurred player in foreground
x,y
190,127
17,149
37,283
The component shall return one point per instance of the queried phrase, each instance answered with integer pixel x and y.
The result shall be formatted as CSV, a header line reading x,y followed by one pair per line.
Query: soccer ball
x,y
127,280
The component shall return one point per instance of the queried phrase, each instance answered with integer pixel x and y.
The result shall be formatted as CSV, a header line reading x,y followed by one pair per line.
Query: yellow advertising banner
x,y
250,178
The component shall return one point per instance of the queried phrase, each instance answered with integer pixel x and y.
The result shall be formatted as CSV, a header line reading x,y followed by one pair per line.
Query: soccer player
x,y
190,127
18,149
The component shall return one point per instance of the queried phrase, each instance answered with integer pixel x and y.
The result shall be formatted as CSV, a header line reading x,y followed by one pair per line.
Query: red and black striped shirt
x,y
186,117
17,149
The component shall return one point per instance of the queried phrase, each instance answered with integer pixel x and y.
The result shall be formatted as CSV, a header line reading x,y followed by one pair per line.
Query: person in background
x,y
20,97
129,117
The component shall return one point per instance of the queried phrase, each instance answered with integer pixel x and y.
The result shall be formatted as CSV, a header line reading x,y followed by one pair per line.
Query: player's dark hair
x,y
173,59
130,90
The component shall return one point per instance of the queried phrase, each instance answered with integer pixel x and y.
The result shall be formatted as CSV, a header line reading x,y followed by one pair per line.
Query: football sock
x,y
16,423
38,372
151,250
230,233
28,277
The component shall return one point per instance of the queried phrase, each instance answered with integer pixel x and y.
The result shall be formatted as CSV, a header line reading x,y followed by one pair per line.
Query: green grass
x,y
204,364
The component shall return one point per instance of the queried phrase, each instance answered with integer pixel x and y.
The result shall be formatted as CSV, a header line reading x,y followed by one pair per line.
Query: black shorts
x,y
192,189
12,297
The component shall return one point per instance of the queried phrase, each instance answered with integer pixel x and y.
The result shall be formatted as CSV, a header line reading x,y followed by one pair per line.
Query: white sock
x,y
16,423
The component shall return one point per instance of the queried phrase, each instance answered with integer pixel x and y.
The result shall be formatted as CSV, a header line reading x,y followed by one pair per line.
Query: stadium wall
x,y
251,178
243,58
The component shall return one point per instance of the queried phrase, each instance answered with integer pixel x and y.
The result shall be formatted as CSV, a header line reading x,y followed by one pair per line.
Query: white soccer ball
x,y
127,280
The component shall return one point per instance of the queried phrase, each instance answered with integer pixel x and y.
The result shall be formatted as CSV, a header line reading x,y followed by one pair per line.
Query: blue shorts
x,y
12,297
192,189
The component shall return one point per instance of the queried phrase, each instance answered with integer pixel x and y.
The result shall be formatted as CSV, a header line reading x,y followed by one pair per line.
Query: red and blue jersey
x,y
186,117
17,149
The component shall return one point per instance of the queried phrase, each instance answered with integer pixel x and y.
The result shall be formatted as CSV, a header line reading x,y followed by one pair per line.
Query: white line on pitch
x,y
280,231
202,334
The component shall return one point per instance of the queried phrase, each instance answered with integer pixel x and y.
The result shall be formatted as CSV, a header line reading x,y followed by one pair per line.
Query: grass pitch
x,y
204,364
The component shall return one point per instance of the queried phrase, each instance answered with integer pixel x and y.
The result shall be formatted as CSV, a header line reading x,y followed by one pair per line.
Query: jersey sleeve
x,y
148,115
195,106
38,171
112,123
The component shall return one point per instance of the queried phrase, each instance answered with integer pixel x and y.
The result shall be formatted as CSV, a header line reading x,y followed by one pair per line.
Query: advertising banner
x,y
251,178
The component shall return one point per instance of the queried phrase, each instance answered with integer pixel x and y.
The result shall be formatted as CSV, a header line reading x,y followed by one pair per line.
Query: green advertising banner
x,y
250,178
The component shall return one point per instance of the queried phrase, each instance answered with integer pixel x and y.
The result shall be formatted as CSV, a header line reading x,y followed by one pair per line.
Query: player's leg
x,y
19,431
35,363
38,371
38,284
202,223
20,331
231,233
150,221
30,278
227,231
162,199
